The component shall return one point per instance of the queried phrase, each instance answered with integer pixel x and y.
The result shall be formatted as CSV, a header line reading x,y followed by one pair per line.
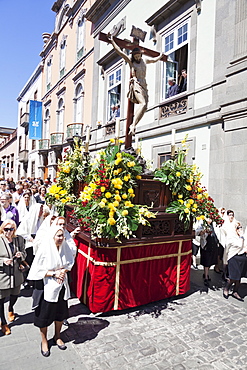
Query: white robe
x,y
48,257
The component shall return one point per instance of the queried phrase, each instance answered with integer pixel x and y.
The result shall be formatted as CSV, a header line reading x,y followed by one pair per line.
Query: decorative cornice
x,y
62,90
166,10
79,74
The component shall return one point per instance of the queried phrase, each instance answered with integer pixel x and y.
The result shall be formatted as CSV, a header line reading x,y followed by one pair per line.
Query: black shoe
x,y
45,353
62,346
225,295
205,278
237,296
217,272
206,282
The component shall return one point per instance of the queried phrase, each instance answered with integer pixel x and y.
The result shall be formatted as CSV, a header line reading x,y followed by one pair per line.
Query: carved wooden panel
x,y
157,228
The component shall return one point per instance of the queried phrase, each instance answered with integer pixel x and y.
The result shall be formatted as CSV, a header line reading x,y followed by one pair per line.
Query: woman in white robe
x,y
53,260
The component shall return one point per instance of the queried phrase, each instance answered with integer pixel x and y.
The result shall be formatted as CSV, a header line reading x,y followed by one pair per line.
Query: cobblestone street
x,y
200,330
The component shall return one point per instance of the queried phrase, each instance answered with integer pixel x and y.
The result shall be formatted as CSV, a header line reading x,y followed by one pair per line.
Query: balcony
x,y
23,156
56,139
74,129
44,145
24,121
174,106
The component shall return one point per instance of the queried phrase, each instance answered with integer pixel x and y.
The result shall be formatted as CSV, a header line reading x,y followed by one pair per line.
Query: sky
x,y
21,27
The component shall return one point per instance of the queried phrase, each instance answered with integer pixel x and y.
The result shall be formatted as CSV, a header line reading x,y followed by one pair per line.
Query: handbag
x,y
24,266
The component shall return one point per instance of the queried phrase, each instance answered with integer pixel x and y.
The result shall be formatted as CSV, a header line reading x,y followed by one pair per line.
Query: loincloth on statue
x,y
134,89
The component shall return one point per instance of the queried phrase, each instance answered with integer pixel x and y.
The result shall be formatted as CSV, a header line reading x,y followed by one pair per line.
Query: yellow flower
x,y
191,201
132,195
186,210
111,206
195,205
117,197
180,196
63,200
102,204
187,205
104,200
117,161
102,189
63,192
57,196
181,201
138,177
119,170
205,195
124,196
193,209
126,178
202,217
111,221
188,187
111,214
198,218
130,191
128,203
174,193
199,190
108,195
178,174
131,164
121,141
112,141
125,212
119,155
116,203
199,196
115,172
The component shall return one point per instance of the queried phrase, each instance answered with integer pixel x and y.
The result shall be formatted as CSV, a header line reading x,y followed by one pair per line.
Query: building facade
x,y
27,149
67,58
8,150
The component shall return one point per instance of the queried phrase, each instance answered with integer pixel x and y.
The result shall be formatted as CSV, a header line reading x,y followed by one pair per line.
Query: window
x,y
60,115
48,75
78,103
80,38
176,48
12,163
114,94
33,144
33,169
62,58
163,158
46,129
20,143
35,95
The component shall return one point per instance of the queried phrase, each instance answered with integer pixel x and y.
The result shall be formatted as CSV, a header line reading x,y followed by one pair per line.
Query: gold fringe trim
x,y
117,279
178,266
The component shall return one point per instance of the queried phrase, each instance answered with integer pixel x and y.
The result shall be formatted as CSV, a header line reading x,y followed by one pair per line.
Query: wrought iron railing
x,y
57,138
44,144
74,129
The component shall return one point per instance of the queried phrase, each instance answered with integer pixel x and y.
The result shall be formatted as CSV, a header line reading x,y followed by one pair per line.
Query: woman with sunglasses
x,y
12,252
235,257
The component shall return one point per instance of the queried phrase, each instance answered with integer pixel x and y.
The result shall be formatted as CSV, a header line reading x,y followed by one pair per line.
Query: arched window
x,y
60,115
46,130
80,38
78,103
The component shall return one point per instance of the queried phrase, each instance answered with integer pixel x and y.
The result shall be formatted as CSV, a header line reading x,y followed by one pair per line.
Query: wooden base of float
x,y
155,265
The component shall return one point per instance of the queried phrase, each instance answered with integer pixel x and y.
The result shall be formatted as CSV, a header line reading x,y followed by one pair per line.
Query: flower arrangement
x,y
105,206
189,198
72,168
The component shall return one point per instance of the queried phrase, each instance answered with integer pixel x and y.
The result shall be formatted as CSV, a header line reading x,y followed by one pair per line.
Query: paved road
x,y
200,330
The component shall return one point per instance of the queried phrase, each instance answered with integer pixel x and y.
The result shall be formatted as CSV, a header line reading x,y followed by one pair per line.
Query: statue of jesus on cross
x,y
138,92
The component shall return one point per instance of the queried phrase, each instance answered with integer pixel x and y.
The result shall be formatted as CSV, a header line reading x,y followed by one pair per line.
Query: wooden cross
x,y
123,44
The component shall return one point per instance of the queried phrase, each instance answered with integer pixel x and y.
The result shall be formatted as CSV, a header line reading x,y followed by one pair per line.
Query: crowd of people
x,y
35,251
225,248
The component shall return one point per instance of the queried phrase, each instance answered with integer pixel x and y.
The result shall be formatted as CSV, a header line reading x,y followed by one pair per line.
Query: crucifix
x,y
138,92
